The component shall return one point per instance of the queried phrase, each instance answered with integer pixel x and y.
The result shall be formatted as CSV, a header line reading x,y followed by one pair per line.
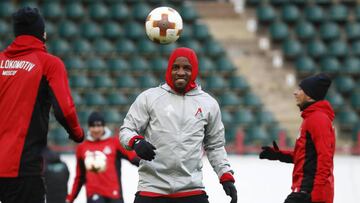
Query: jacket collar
x,y
24,44
322,106
106,135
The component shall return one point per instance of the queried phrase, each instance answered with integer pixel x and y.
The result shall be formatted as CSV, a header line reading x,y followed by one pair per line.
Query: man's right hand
x,y
144,149
271,153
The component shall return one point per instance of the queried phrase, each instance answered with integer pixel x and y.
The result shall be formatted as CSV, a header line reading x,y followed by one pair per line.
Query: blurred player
x,y
313,179
31,81
101,187
167,126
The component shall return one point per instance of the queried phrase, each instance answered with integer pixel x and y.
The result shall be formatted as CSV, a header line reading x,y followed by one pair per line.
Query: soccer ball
x,y
163,25
95,161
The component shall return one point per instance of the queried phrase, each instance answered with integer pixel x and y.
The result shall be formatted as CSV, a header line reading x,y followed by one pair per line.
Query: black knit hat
x,y
28,21
96,118
316,86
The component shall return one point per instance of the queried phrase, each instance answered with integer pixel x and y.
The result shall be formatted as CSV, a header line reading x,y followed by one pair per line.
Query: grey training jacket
x,y
180,127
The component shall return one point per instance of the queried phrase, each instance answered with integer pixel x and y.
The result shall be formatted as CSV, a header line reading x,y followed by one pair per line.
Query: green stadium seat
x,y
59,136
147,81
201,31
239,83
329,31
314,14
290,13
96,64
103,47
335,99
133,95
344,84
279,2
323,2
347,118
206,65
140,11
229,99
213,48
112,30
305,66
58,47
265,14
94,99
51,30
125,47
90,30
134,30
118,65
355,100
126,81
102,81
338,48
352,30
81,46
119,12
98,11
338,13
166,49
83,116
112,116
216,83
7,8
138,64
304,30
76,98
357,12
188,13
68,30
224,65
186,34
252,101
243,117
116,98
230,134
158,64
291,48
52,11
351,66
278,31
74,10
4,28
74,63
146,47
264,118
226,117
256,135
330,65
195,45
355,48
316,48
79,81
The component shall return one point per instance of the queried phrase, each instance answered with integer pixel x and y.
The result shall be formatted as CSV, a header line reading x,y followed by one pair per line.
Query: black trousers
x,y
101,199
203,198
23,189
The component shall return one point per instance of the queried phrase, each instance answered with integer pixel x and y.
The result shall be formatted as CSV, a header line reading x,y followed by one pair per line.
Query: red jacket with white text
x,y
31,81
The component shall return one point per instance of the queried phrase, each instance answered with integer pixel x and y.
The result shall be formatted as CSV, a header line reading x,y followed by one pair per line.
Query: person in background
x,y
31,82
313,156
101,186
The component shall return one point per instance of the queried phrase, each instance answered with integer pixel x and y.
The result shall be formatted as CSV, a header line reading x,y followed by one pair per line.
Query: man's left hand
x,y
230,190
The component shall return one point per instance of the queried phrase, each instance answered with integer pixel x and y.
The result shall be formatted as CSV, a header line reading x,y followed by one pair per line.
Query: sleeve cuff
x,y
132,140
227,177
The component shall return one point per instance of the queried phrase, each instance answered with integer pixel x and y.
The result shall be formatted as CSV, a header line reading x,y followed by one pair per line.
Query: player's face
x,y
96,131
181,73
300,97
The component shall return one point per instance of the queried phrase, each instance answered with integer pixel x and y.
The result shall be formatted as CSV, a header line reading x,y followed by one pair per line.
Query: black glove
x,y
144,149
298,197
230,190
271,153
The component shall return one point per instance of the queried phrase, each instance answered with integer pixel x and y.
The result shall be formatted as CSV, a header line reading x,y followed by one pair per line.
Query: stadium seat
x,y
125,47
98,11
290,13
51,30
330,65
216,83
291,48
201,31
265,14
335,99
68,30
112,116
329,31
126,81
224,65
102,81
76,98
134,30
81,46
251,101
94,99
355,100
213,49
112,30
226,118
90,30
117,65
58,47
193,44
147,81
264,118
256,135
7,8
140,11
96,64
52,10
347,118
279,2
83,116
186,34
188,13
119,12
355,48
344,84
230,134
158,65
239,83
116,98
166,49
338,13
73,63
314,14
139,64
338,48
59,136
79,81
74,10
351,66
103,47
146,47
4,28
206,65
316,48
304,30
352,30
305,66
278,31
243,117
228,99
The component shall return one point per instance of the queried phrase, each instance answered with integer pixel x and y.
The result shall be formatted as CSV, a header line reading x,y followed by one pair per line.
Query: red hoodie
x,y
314,153
31,81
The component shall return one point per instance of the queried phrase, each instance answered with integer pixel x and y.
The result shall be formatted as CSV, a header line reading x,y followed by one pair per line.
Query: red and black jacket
x,y
31,81
314,153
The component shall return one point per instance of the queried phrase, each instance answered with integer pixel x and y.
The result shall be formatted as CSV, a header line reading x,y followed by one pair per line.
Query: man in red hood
x,y
313,178
31,81
168,127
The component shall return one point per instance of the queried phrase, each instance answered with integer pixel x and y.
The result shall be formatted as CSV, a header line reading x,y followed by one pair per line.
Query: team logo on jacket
x,y
107,150
199,113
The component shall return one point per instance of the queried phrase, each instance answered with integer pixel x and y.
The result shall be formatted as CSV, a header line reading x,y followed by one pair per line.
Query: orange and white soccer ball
x,y
95,161
163,25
